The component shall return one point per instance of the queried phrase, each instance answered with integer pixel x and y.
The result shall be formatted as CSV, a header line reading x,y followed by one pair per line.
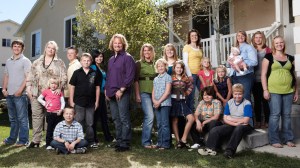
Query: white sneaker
x,y
49,148
207,151
195,146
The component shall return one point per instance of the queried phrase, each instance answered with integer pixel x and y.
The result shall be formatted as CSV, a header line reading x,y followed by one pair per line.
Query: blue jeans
x,y
147,107
247,81
162,118
62,148
121,118
190,101
18,117
280,106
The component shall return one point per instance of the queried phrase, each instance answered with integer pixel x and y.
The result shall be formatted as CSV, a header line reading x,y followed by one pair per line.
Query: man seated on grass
x,y
68,135
238,123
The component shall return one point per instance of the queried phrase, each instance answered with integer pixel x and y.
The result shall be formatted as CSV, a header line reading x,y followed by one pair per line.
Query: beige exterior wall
x,y
50,21
7,30
254,14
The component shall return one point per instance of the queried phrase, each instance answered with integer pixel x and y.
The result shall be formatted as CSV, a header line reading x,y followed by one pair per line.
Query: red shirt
x,y
208,79
52,101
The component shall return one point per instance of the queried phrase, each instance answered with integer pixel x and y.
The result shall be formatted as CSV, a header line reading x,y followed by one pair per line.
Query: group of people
x,y
165,88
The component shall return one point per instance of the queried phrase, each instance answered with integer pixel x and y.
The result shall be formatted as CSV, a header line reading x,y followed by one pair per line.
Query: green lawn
x,y
138,157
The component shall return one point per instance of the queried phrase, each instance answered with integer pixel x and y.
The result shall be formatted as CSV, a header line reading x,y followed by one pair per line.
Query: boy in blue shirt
x,y
68,135
238,123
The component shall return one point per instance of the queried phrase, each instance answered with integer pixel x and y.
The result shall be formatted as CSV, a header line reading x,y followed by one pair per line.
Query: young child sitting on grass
x,y
68,135
238,123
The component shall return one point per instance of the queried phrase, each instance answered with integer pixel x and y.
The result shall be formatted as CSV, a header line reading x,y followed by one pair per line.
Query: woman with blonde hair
x,y
280,89
44,68
144,76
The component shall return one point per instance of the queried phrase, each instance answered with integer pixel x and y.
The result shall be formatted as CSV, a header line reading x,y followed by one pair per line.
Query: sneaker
x,y
49,148
195,146
80,150
228,154
122,149
94,145
207,151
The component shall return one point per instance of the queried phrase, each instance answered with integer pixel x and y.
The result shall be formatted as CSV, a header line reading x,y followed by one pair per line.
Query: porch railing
x,y
227,41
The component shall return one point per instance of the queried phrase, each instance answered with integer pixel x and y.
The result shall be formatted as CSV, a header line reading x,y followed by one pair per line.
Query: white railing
x,y
227,41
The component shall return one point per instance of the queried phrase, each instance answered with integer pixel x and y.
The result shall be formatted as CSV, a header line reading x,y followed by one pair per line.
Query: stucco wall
x,y
51,23
252,14
7,31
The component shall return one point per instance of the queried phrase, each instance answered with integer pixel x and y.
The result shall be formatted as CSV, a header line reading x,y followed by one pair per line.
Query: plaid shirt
x,y
207,111
68,133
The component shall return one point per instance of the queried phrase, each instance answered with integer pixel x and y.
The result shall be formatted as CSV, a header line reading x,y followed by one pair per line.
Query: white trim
x,y
35,32
65,19
296,12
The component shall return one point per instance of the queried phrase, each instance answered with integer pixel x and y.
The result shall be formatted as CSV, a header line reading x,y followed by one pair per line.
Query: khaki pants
x,y
38,118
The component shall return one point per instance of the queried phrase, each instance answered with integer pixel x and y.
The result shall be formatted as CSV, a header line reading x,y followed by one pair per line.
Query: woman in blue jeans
x,y
145,73
249,55
280,88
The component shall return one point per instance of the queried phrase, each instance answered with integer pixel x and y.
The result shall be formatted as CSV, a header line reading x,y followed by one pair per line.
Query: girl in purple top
x,y
222,85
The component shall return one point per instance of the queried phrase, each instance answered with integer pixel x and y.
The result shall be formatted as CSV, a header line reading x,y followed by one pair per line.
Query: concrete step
x,y
257,138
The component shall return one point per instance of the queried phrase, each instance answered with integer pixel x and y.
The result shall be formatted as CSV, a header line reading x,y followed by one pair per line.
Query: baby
x,y
236,61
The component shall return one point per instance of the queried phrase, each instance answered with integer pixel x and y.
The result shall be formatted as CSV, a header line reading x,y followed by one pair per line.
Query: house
x,y
50,20
7,30
273,17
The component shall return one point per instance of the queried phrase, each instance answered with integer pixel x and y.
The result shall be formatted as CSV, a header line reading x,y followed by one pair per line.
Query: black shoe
x,y
57,151
228,154
122,149
33,145
184,144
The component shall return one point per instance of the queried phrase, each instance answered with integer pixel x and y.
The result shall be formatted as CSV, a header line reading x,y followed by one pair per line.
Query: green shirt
x,y
145,74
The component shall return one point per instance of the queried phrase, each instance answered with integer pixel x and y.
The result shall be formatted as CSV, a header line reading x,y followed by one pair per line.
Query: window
x,y
6,42
36,43
70,32
291,17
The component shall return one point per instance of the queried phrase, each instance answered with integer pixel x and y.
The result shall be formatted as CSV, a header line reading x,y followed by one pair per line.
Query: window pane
x,y
3,42
38,43
33,43
8,42
74,31
68,33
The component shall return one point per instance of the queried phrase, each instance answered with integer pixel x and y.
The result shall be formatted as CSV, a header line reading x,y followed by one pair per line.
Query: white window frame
x,y
66,19
40,43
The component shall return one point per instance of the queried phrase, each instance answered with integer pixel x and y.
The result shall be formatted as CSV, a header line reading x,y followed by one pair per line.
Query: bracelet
x,y
266,90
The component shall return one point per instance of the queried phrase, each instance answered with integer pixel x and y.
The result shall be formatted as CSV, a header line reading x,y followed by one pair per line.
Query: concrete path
x,y
285,151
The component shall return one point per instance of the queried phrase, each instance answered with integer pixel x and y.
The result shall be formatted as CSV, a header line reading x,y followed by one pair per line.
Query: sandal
x,y
290,144
277,145
178,145
184,144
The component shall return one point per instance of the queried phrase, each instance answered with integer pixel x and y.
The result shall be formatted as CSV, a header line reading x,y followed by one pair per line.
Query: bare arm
x,y
264,69
236,121
137,92
97,97
4,86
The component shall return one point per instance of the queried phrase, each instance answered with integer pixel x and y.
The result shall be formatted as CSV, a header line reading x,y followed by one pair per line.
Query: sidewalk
x,y
285,151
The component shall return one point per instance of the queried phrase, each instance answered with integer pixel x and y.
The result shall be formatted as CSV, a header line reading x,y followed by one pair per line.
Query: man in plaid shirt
x,y
68,135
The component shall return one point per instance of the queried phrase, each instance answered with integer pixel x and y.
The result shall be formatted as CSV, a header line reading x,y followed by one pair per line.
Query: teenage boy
x,y
74,64
14,82
68,135
84,95
238,123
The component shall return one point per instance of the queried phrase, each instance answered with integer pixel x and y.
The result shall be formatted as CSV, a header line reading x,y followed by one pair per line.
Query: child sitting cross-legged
x,y
238,123
68,135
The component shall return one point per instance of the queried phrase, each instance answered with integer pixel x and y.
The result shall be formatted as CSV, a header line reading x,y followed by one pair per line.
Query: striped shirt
x,y
207,111
68,132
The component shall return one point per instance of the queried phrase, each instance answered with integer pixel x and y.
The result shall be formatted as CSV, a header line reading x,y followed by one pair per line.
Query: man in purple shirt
x,y
120,76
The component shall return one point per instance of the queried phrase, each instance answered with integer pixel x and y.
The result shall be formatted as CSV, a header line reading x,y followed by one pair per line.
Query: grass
x,y
137,157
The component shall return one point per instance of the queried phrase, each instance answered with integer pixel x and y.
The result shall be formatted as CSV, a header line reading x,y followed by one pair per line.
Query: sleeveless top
x,y
222,87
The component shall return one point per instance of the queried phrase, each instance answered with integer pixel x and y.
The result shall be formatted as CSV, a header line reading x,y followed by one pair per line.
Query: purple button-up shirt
x,y
121,72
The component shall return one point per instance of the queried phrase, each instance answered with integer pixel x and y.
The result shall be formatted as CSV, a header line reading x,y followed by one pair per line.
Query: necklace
x,y
44,65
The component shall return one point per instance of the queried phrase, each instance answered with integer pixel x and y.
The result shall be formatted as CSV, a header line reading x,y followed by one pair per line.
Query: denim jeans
x,y
121,118
18,118
62,148
85,116
147,107
280,106
190,101
247,81
162,118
